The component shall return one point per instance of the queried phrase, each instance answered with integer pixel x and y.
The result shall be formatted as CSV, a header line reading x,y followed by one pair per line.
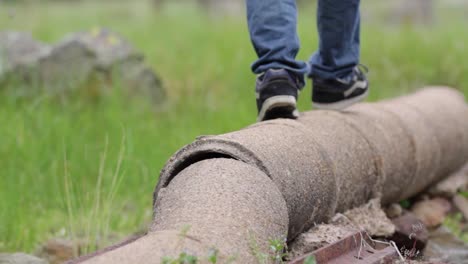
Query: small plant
x,y
184,231
464,194
454,224
213,256
310,260
254,248
276,253
405,204
277,248
183,258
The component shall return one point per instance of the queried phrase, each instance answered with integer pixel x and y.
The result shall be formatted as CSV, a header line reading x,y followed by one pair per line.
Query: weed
x,y
310,260
183,258
278,250
405,204
213,256
454,223
184,231
261,257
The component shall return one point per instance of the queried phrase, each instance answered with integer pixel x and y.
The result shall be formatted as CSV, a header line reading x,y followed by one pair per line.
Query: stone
x,y
461,203
431,212
394,210
20,258
444,246
19,56
68,65
451,185
93,63
19,48
58,251
411,235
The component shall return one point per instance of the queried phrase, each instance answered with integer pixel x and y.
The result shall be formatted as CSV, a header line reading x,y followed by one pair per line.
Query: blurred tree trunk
x,y
414,12
212,6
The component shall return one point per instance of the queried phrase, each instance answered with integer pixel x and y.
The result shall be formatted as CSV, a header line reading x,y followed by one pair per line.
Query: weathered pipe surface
x,y
277,178
230,205
327,162
220,204
273,148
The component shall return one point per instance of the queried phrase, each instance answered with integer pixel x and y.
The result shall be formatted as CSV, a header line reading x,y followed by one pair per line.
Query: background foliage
x,y
86,170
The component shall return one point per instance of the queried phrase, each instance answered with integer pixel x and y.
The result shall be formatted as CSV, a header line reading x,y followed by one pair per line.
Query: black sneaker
x,y
338,94
276,92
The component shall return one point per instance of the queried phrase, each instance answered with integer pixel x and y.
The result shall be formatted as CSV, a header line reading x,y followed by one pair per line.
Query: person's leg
x,y
338,82
272,27
338,25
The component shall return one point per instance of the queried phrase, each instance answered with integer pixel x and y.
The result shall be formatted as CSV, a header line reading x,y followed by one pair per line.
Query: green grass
x,y
454,224
87,170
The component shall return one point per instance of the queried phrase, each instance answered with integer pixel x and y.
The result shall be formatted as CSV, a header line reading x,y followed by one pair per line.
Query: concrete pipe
x,y
281,149
227,204
217,204
278,178
396,170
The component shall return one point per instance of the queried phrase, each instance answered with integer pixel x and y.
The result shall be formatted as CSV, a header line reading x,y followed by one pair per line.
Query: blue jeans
x,y
272,27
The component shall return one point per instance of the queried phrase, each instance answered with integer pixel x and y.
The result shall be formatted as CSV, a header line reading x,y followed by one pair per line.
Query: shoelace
x,y
362,68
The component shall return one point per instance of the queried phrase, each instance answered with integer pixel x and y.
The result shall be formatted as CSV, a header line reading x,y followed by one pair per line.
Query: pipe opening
x,y
194,158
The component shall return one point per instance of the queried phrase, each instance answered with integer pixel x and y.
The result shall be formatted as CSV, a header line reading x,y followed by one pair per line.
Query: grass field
x,y
86,170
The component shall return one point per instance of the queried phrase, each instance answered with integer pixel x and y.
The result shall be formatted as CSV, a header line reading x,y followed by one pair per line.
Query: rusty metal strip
x,y
355,248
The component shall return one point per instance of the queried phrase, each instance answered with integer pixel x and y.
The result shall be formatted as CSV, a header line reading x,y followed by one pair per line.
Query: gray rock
x,y
431,212
461,203
94,62
411,235
19,55
20,258
451,185
106,45
445,246
68,65
58,251
394,210
18,48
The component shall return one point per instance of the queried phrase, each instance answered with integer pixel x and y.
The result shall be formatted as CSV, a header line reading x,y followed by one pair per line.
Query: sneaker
x,y
276,92
338,94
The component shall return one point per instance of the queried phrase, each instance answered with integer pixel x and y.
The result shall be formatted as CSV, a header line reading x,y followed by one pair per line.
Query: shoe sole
x,y
341,104
281,106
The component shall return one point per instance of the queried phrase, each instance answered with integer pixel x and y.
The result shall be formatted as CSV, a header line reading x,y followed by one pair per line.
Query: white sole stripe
x,y
341,104
277,101
356,85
